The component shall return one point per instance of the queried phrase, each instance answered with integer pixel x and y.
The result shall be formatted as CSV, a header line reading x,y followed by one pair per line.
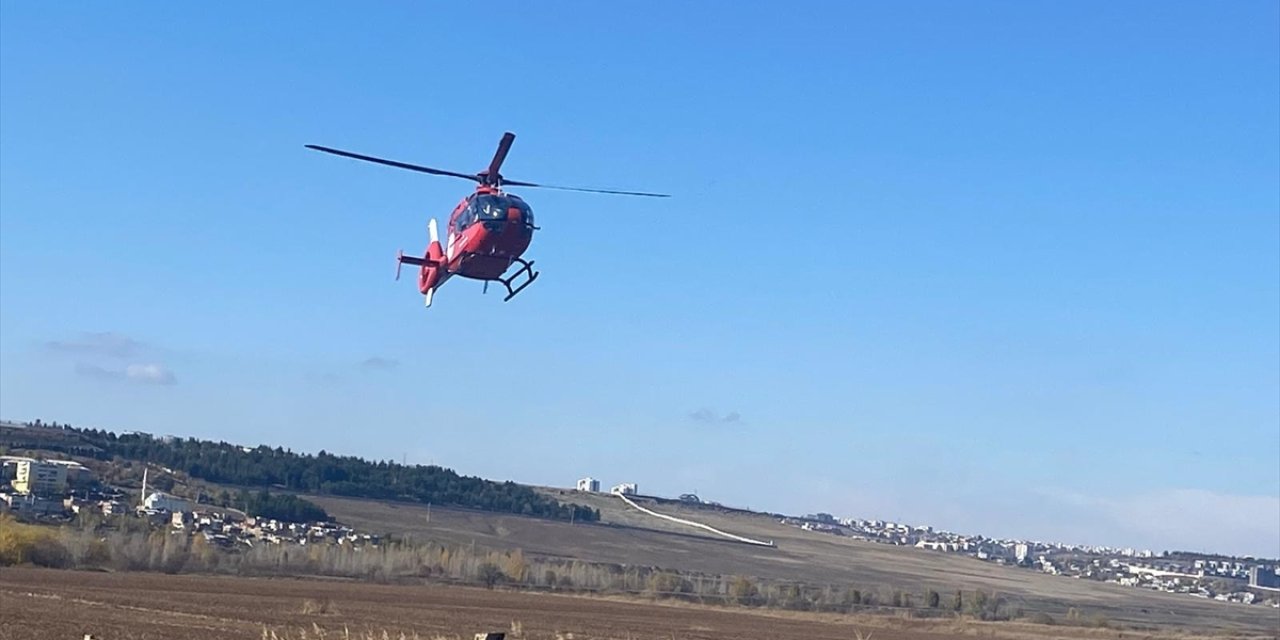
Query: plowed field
x,y
38,604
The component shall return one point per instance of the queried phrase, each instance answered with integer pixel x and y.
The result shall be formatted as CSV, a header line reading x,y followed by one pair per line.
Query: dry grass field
x,y
44,604
628,537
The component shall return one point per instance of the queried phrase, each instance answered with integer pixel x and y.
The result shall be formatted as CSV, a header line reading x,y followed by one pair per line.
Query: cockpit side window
x,y
526,213
465,217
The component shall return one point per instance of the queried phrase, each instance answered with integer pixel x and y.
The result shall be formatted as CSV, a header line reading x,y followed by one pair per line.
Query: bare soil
x,y
44,604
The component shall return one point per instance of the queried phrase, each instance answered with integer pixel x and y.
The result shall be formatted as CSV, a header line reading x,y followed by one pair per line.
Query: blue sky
x,y
1009,267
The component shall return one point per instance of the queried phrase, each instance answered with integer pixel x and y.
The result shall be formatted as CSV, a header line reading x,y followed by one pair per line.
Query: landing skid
x,y
526,270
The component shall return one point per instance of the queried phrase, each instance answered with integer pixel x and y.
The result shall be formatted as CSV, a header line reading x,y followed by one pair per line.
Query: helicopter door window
x,y
525,211
467,216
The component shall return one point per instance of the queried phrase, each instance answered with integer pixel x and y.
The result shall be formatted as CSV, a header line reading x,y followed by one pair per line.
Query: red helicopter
x,y
488,231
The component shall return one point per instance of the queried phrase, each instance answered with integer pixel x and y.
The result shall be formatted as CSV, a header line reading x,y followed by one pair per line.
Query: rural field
x,y
46,604
627,537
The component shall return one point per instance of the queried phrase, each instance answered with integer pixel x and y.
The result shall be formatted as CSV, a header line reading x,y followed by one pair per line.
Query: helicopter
x,y
488,231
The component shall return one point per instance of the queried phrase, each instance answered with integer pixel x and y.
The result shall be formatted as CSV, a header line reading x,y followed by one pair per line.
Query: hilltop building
x,y
1022,552
159,501
78,475
40,477
589,484
30,504
9,467
626,489
1263,577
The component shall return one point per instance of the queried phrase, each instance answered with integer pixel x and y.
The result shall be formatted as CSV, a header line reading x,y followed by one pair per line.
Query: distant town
x,y
51,490
1229,579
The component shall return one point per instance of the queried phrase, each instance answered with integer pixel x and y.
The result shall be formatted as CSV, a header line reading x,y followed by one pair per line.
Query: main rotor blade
x,y
516,183
393,163
500,155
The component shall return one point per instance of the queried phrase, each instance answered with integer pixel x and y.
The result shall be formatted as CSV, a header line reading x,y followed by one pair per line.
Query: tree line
x,y
285,507
326,473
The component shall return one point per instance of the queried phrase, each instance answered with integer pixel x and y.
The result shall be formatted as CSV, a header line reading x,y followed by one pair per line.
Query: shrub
x,y
490,574
853,597
932,599
669,584
1041,617
48,551
318,607
790,596
744,591
20,543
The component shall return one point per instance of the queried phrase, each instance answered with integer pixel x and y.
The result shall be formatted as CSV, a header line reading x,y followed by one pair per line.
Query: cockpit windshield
x,y
492,207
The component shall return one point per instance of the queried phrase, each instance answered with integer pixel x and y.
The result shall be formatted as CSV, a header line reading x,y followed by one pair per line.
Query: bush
x,y
932,599
743,591
48,551
321,607
669,584
490,574
21,543
1041,617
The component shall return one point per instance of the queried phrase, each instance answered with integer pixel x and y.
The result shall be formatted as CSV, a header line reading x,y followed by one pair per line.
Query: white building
x,y
626,489
40,477
589,484
164,502
9,466
77,474
1021,551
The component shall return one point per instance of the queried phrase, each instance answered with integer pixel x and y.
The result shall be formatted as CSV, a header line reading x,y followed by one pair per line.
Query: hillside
x,y
616,534
267,467
624,536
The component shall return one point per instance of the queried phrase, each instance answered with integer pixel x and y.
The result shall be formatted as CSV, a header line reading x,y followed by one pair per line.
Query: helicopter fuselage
x,y
487,233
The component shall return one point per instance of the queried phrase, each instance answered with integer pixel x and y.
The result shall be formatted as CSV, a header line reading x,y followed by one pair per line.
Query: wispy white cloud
x,y
707,416
103,343
151,373
97,355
